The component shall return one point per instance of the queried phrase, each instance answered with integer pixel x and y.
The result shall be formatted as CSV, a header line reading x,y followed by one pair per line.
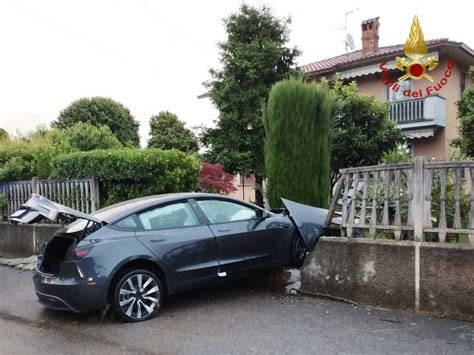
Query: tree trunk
x,y
258,191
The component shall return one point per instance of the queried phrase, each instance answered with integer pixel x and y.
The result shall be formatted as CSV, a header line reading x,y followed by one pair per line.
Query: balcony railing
x,y
428,111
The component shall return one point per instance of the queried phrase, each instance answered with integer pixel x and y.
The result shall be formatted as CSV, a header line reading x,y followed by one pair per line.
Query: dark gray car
x,y
135,253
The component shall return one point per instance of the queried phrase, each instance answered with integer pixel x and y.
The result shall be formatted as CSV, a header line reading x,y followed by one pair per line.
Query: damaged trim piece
x,y
39,207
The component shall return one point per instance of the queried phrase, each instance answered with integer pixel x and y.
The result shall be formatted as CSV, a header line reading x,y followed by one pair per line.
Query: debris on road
x,y
27,264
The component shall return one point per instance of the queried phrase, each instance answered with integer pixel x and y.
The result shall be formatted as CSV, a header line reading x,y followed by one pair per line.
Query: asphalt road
x,y
239,317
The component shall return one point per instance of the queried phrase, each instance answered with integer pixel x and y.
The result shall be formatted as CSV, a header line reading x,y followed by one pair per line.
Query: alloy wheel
x,y
139,296
298,253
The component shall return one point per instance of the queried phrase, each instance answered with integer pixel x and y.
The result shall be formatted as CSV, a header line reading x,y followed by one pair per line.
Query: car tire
x,y
137,295
298,251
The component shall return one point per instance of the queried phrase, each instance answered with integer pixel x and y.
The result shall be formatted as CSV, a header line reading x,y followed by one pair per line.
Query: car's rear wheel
x,y
137,296
298,251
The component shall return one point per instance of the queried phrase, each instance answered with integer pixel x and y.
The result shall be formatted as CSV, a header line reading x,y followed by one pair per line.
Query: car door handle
x,y
223,230
157,240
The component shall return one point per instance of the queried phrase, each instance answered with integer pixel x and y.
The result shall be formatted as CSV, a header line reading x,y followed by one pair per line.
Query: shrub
x,y
297,123
465,141
3,201
85,136
25,158
215,179
128,173
28,156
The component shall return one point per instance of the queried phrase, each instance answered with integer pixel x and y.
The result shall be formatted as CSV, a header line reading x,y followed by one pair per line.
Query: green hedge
x,y
128,173
297,120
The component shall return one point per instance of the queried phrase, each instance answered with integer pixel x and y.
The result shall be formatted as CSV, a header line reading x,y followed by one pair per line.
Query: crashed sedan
x,y
133,254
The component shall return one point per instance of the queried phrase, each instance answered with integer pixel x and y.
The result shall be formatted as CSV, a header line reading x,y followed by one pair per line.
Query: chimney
x,y
370,35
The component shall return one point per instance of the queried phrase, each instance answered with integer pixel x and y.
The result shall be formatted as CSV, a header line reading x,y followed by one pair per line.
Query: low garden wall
x,y
390,274
24,240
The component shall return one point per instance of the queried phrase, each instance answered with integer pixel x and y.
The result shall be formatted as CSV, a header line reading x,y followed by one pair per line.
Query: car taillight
x,y
80,253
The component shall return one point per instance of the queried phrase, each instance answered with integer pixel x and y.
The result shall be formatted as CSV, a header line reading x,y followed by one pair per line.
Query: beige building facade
x,y
424,110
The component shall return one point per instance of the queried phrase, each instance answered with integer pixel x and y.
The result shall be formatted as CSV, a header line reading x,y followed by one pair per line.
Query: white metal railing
x,y
407,111
430,110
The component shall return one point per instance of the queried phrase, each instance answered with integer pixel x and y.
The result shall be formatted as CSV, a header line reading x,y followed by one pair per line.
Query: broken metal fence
x,y
80,194
420,201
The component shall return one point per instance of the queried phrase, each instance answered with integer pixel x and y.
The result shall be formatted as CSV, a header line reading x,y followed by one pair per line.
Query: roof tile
x,y
330,64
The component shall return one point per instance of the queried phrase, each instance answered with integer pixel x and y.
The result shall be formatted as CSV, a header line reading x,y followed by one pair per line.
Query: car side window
x,y
220,211
127,223
170,216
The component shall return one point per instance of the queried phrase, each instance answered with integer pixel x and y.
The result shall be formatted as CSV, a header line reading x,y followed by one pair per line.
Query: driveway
x,y
238,317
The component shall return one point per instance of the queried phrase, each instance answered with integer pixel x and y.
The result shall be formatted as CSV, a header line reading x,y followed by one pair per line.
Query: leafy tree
x,y
84,136
3,135
214,179
101,111
362,131
465,141
168,132
297,146
254,57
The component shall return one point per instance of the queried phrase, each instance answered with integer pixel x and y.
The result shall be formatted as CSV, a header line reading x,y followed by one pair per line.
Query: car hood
x,y
308,219
39,207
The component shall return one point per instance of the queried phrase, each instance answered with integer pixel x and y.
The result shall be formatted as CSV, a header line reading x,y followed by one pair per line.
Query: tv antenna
x,y
348,40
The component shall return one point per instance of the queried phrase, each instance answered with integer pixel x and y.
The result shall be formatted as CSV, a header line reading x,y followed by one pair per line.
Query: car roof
x,y
113,213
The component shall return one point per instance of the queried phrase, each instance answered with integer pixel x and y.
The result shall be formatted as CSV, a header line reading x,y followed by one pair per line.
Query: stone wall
x,y
24,240
382,273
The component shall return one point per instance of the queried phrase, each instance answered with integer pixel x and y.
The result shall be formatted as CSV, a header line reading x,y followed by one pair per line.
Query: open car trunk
x,y
61,246
55,252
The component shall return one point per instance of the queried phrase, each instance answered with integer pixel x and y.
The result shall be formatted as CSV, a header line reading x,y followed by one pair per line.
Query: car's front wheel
x,y
298,251
137,296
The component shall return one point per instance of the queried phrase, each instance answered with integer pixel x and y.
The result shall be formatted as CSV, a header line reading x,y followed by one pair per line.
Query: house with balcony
x,y
424,110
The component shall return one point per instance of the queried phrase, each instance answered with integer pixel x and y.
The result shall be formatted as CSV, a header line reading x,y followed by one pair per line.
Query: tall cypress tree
x,y
253,58
297,122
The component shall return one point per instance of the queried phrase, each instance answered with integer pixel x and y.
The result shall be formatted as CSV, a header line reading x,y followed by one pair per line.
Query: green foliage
x,y
465,141
27,157
128,173
254,57
3,135
3,201
362,131
101,111
401,154
168,132
84,136
297,146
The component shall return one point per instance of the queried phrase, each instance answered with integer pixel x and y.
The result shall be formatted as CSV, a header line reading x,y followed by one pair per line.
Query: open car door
x,y
308,220
39,207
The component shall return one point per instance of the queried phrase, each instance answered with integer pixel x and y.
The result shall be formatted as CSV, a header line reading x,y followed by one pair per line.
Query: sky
x,y
154,55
